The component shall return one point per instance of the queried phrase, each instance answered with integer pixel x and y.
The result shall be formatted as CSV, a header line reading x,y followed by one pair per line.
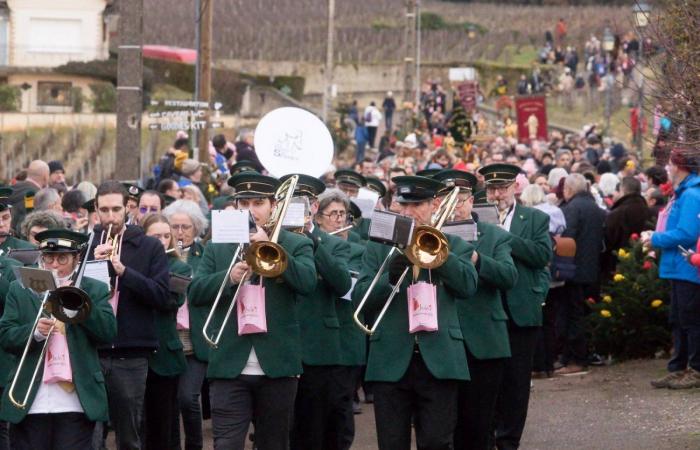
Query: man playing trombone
x,y
253,375
319,402
140,277
416,374
59,409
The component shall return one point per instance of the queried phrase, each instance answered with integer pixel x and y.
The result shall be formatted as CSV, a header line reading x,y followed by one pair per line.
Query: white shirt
x,y
374,115
51,398
252,366
509,219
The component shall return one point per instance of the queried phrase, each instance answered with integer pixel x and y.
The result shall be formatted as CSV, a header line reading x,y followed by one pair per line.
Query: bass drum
x,y
293,140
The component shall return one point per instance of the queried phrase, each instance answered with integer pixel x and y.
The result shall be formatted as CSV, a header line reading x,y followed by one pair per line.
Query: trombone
x,y
265,258
69,304
428,250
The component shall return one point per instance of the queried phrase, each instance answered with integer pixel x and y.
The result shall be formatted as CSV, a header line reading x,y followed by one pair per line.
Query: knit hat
x,y
55,166
189,166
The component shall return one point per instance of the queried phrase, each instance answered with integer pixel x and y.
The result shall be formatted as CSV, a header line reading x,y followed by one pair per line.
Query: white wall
x,y
48,33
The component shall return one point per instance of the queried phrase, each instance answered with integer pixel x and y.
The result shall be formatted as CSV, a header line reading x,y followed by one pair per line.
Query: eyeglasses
x,y
178,227
334,215
48,258
147,209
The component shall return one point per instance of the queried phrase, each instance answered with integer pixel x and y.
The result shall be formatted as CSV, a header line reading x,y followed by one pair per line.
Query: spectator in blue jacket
x,y
682,230
361,140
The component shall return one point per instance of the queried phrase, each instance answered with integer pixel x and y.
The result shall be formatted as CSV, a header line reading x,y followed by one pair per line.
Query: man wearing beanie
x,y
57,175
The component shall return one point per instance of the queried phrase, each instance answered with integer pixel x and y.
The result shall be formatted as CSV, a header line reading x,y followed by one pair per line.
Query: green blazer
x,y
318,319
391,347
12,242
7,276
169,360
362,228
482,318
278,350
198,314
100,328
531,250
353,341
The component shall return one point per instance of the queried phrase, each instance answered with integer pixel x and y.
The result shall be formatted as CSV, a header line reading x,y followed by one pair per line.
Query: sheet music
x,y
366,206
230,226
98,269
296,213
487,214
38,280
465,230
382,226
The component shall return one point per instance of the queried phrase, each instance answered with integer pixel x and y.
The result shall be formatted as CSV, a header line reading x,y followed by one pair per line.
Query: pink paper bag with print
x,y
422,307
251,309
182,319
57,360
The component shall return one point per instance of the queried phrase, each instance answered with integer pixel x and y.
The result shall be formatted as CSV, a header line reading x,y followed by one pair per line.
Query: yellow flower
x,y
605,313
622,254
607,299
618,277
656,303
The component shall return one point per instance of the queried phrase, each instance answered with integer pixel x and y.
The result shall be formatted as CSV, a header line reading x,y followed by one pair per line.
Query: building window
x,y
51,93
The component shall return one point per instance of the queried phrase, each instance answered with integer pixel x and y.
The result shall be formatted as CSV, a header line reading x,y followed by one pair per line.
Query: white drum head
x,y
293,140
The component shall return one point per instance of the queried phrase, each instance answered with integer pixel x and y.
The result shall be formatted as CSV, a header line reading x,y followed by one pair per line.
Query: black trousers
x,y
4,431
546,351
514,393
347,418
267,401
318,409
161,412
52,432
570,324
477,403
419,397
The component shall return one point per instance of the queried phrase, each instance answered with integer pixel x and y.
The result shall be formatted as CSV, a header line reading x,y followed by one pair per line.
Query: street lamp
x,y
641,11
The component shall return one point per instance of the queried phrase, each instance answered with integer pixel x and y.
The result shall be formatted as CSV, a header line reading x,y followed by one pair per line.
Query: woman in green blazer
x,y
168,361
58,414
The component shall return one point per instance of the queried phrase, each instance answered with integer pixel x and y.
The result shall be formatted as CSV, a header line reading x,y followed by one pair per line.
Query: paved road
x,y
610,408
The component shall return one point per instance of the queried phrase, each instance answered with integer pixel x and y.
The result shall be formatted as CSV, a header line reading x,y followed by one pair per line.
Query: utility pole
x,y
328,78
204,56
409,52
418,44
129,90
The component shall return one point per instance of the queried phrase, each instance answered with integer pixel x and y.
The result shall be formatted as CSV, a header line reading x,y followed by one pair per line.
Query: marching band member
x,y
332,216
61,413
139,272
254,376
416,375
531,249
350,182
187,223
7,360
7,241
318,406
168,362
482,319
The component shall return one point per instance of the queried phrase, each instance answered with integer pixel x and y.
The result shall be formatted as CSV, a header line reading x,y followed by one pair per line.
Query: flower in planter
x,y
634,236
622,254
647,265
607,299
590,300
618,277
656,303
605,313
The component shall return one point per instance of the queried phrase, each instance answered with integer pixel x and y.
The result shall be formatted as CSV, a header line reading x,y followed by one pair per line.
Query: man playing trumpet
x,y
60,411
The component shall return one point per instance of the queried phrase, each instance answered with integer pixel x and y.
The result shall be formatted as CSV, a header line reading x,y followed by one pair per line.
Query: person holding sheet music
x,y
531,249
332,215
253,376
139,272
319,404
416,372
168,362
7,241
188,224
63,406
482,319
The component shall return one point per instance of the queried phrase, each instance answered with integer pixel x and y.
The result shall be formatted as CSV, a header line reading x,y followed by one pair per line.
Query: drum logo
x,y
289,146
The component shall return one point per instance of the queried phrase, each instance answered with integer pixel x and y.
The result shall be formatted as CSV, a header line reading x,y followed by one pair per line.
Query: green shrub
x,y
104,98
9,98
631,321
77,99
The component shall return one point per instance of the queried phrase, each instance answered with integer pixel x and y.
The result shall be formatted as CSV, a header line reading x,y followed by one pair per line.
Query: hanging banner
x,y
531,113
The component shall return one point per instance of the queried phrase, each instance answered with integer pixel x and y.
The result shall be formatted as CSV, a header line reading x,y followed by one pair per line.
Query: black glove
x,y
396,268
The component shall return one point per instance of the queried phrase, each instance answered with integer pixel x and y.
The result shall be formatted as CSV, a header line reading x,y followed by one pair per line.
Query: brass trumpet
x,y
114,241
69,304
428,250
265,258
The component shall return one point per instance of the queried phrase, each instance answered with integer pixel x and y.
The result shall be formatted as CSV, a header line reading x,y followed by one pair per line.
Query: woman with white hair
x,y
534,197
607,185
188,224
